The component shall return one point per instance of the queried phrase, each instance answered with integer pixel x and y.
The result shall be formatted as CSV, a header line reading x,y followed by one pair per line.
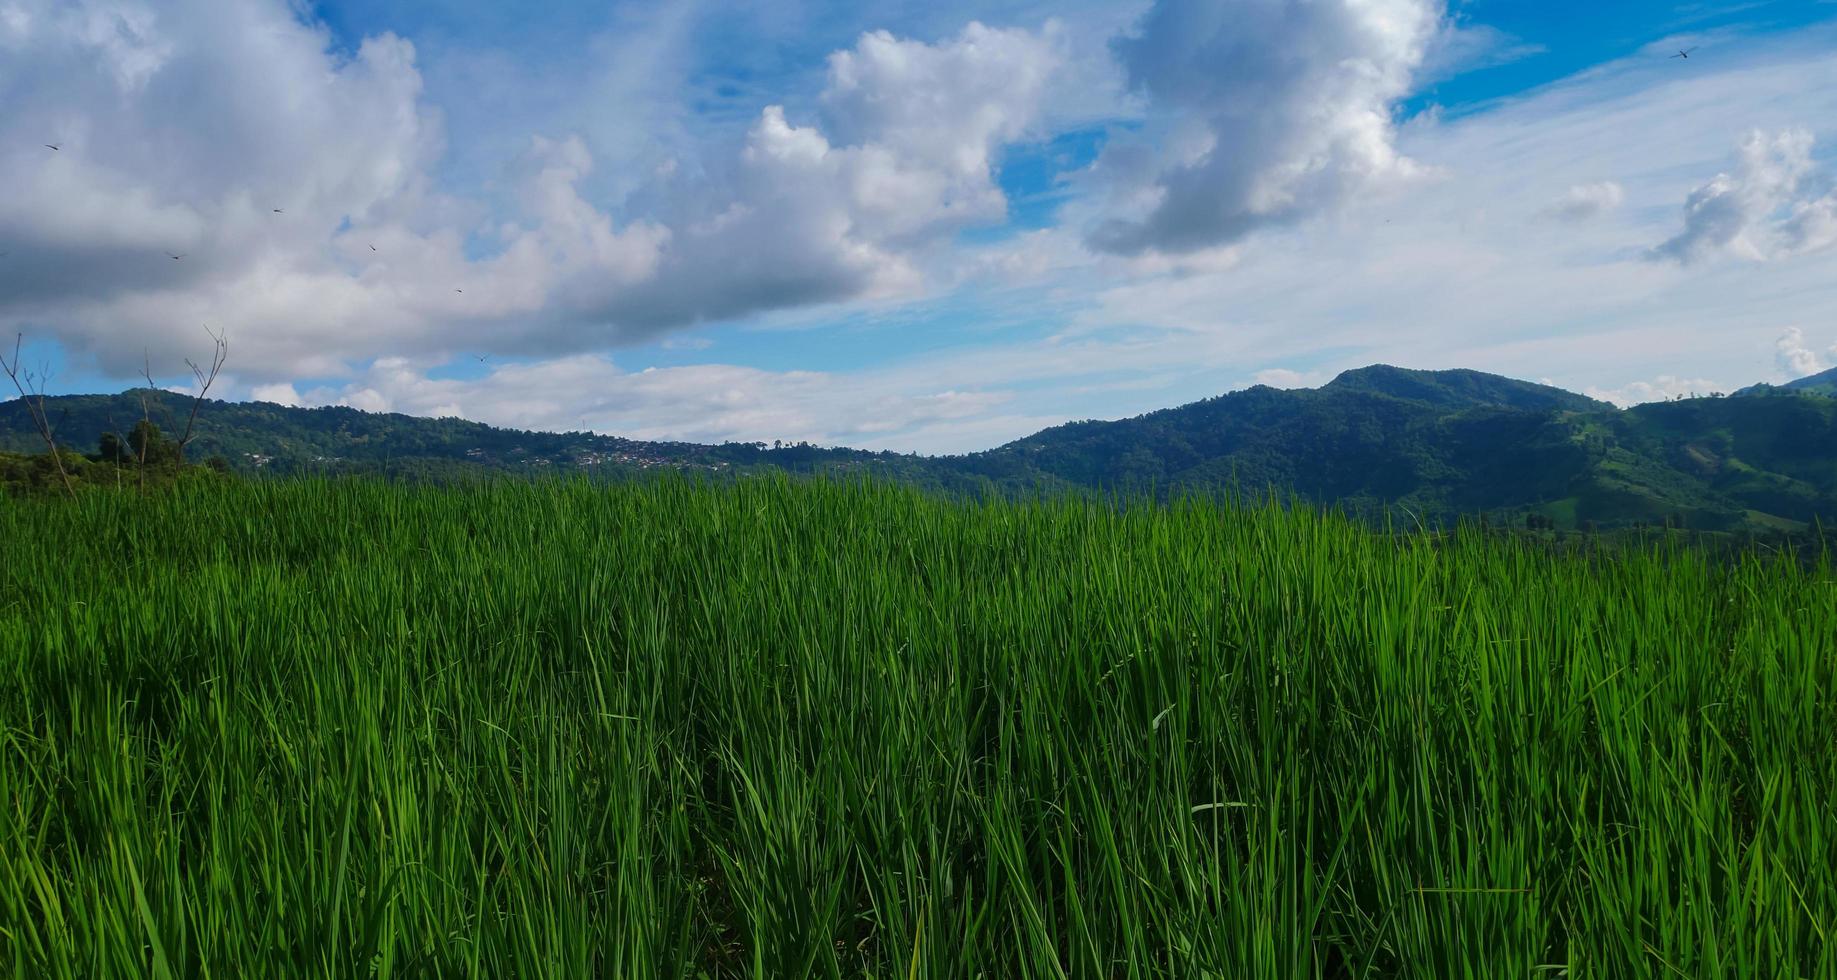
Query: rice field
x,y
790,729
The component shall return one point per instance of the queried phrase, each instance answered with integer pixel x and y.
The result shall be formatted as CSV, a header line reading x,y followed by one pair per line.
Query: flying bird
x,y
373,248
481,357
1684,53
51,146
459,290
177,257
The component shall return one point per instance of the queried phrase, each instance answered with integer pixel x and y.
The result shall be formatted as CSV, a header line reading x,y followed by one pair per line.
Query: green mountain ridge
x,y
1374,440
266,437
1822,383
1460,388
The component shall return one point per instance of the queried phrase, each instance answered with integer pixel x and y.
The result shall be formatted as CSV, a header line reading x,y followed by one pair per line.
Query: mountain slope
x,y
1461,388
265,437
1822,383
1463,442
1432,442
1373,436
1774,458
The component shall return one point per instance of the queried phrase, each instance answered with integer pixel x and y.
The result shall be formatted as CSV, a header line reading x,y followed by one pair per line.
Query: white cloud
x,y
1812,225
1585,201
1760,210
280,393
184,126
181,127
804,218
1795,359
1663,388
370,400
1261,112
852,206
703,403
1286,378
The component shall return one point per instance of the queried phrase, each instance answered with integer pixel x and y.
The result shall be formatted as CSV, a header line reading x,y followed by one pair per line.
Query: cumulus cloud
x,y
297,185
812,213
1793,357
1662,388
1263,112
1585,201
280,393
180,126
1773,203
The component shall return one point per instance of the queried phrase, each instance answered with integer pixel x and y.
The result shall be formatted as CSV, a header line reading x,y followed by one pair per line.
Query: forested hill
x,y
261,437
1375,439
1822,383
1440,442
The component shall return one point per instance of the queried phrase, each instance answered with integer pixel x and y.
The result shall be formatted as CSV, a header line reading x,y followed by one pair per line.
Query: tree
x,y
112,449
151,446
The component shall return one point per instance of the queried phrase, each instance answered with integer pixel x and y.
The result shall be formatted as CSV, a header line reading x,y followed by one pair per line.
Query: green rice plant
x,y
783,729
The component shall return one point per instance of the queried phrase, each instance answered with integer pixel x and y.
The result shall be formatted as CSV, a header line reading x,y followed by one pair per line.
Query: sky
x,y
929,227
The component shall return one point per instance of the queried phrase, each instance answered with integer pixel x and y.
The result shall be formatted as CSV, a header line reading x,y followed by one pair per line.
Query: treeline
x,y
143,458
153,458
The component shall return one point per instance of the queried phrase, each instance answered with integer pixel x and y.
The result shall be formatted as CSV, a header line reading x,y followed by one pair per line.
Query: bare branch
x,y
115,431
32,393
205,380
146,410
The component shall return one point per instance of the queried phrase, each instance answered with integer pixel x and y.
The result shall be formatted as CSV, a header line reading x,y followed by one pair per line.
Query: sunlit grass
x,y
785,729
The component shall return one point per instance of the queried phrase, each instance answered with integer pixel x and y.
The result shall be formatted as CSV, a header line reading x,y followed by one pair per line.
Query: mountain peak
x,y
1462,388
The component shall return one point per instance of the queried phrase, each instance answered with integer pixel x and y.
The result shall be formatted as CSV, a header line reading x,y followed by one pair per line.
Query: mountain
x,y
1461,389
1447,442
1822,383
1430,441
261,437
1374,440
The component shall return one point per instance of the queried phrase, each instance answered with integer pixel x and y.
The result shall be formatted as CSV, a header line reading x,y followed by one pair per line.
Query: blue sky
x,y
927,226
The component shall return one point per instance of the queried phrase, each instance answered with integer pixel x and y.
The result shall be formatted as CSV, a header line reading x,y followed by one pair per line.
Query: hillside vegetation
x,y
1379,441
1822,383
1439,443
268,439
777,729
144,460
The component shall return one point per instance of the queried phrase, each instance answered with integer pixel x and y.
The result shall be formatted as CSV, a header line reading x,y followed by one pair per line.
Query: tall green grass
x,y
784,729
